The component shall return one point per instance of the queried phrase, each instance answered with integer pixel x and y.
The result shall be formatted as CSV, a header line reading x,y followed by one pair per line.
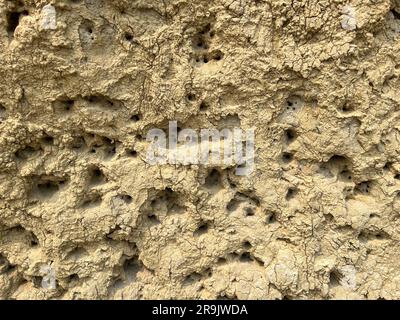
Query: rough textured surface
x,y
83,81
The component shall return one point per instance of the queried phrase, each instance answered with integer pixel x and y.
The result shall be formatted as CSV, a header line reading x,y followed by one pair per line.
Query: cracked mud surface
x,y
83,81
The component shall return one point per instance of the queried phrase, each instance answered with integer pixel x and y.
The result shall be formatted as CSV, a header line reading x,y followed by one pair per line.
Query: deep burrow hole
x,y
2,113
291,193
213,181
96,176
13,19
46,188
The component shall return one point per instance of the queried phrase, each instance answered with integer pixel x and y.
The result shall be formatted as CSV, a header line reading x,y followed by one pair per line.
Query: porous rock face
x,y
82,82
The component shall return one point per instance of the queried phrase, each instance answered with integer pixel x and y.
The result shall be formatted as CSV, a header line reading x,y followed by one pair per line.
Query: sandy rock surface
x,y
83,215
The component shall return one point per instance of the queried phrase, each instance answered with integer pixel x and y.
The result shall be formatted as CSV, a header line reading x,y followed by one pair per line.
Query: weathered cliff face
x,y
83,215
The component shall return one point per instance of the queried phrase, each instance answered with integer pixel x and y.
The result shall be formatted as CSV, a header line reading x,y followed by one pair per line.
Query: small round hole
x,y
191,97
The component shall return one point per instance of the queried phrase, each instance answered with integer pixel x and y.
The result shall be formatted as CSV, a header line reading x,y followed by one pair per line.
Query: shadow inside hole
x,y
153,219
287,157
335,278
291,194
247,245
191,97
213,181
135,117
126,198
47,140
96,177
347,107
271,218
92,200
27,152
192,278
233,205
202,229
46,189
132,153
63,106
129,37
245,257
13,20
2,112
290,135
363,187
249,212
203,106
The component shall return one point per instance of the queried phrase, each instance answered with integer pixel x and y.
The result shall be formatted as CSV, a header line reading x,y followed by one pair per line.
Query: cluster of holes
x,y
76,253
201,45
34,148
216,55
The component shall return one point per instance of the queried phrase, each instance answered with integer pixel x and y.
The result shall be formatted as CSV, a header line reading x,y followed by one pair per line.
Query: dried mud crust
x,y
317,219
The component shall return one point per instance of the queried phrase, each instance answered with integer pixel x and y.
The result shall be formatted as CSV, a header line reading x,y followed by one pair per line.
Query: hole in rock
x,y
13,20
96,176
202,229
291,193
213,180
